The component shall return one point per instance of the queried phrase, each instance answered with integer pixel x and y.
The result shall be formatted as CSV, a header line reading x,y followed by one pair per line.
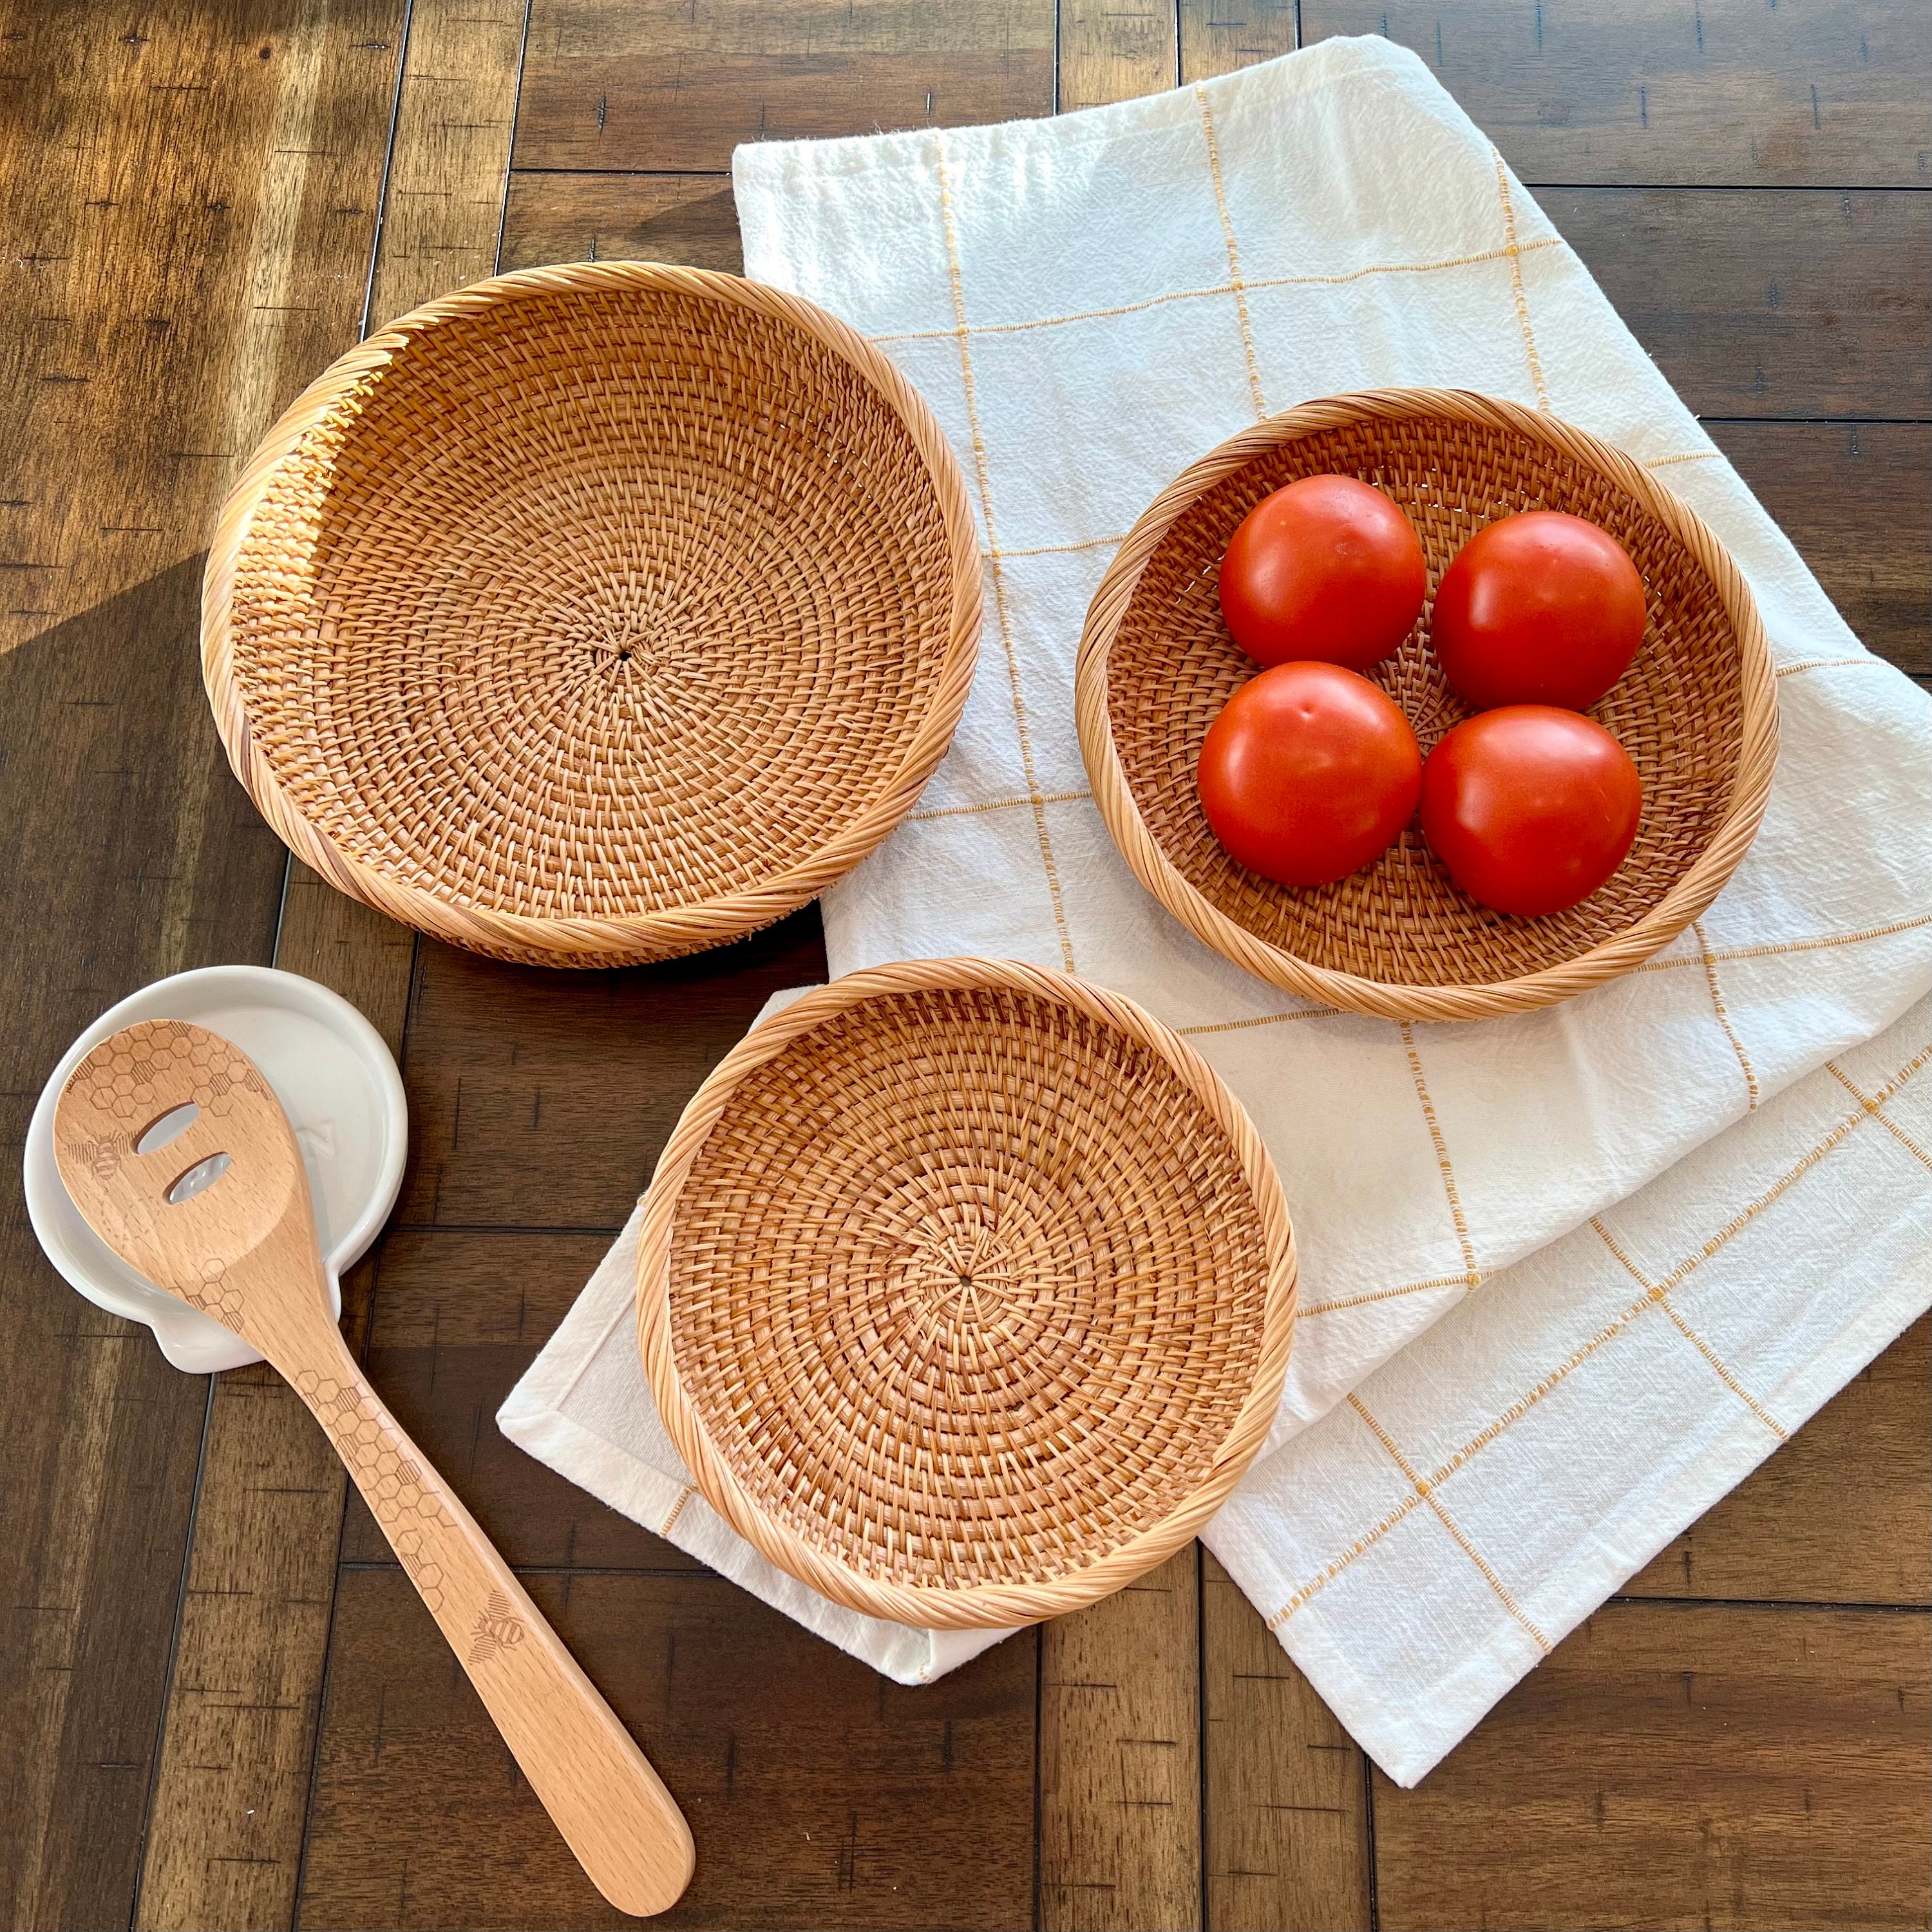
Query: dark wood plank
x,y
1682,1766
1731,91
1116,50
186,226
1768,303
1840,1514
688,219
820,1794
231,1790
671,88
130,854
1287,1813
191,195
540,1098
442,205
1221,36
1856,499
1120,1758
458,1318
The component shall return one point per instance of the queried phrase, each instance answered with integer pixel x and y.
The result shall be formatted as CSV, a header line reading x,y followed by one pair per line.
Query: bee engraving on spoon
x,y
497,1628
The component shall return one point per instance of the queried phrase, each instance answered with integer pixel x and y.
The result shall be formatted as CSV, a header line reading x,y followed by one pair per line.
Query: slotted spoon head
x,y
185,1199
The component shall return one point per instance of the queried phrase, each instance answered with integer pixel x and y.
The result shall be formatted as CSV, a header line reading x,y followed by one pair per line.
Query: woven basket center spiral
x,y
589,606
966,1288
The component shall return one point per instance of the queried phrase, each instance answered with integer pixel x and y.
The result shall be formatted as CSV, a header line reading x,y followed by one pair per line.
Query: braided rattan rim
x,y
987,1605
670,931
1757,749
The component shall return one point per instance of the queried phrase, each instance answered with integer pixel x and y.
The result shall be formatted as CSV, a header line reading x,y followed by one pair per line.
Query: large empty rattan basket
x,y
965,1290
594,614
1696,711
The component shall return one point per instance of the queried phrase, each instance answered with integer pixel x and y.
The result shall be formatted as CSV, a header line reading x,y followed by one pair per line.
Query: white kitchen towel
x,y
1090,303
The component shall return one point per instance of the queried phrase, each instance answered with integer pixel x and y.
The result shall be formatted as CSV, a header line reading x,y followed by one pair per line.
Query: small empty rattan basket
x,y
965,1290
594,614
1696,711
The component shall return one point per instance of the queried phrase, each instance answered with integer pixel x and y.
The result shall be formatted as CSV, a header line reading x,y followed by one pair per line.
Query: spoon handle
x,y
610,1806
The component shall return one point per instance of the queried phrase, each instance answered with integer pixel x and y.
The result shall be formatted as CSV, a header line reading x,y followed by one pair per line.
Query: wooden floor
x,y
221,1704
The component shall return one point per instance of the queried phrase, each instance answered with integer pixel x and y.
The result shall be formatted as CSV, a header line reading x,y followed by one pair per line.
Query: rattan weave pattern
x,y
595,613
1696,711
966,1290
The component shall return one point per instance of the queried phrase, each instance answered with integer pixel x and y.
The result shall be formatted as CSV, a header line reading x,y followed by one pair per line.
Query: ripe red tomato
x,y
1326,568
1531,808
1308,773
1542,608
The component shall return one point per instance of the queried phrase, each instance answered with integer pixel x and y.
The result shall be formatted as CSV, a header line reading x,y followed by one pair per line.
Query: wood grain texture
x,y
458,1318
191,198
540,1100
1119,1759
1733,92
455,113
1220,38
674,87
1287,1809
188,221
820,1794
1838,1515
1684,1765
1116,50
690,220
1793,303
231,1790
1856,500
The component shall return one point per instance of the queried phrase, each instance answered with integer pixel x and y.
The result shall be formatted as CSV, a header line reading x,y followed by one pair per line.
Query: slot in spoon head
x,y
177,1153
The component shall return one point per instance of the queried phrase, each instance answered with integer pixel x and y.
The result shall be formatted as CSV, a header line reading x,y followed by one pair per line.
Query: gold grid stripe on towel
x,y
1408,1030
952,228
1426,1490
1266,1019
1688,456
1038,798
1360,1547
1876,1108
1058,550
1689,1334
1515,254
1827,663
1561,1373
1461,1281
1220,288
1723,1018
1724,1374
1234,281
677,1510
1822,943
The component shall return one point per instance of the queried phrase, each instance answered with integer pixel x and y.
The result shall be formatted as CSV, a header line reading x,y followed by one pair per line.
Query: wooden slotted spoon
x,y
217,1212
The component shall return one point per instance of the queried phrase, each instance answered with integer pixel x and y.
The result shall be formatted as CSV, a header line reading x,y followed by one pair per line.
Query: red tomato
x,y
1308,773
1531,808
1541,608
1327,568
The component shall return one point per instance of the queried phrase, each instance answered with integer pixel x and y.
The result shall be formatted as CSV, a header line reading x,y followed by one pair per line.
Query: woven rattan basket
x,y
594,614
965,1290
1697,711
